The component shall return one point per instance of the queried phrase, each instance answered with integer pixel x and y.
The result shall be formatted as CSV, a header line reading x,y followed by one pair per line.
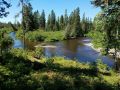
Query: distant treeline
x,y
73,25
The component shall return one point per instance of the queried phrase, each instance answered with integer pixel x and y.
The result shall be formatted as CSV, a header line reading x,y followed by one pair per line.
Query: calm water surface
x,y
76,49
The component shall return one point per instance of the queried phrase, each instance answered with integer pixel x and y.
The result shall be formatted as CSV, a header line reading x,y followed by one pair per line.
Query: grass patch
x,y
20,72
40,35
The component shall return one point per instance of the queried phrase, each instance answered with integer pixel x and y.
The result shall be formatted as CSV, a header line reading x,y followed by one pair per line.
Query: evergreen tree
x,y
36,21
61,22
48,24
90,27
27,22
111,24
66,18
83,23
52,20
42,20
58,24
74,26
67,31
51,23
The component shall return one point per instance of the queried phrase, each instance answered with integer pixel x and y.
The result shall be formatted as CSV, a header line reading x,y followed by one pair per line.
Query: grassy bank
x,y
40,35
6,30
20,71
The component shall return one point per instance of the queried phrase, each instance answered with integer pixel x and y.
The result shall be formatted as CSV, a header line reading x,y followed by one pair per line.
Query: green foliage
x,y
100,38
42,20
102,68
97,38
86,24
66,18
19,33
6,42
17,73
49,62
62,22
39,52
67,31
4,5
36,21
51,23
73,28
27,22
20,53
6,30
40,35
108,23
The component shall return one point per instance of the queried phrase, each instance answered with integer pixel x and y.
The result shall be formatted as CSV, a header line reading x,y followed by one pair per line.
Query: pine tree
x,y
42,20
36,21
111,24
58,24
61,22
73,28
48,24
51,23
83,23
66,18
76,27
27,22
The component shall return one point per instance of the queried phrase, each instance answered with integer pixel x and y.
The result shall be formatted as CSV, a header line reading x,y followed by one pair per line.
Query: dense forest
x,y
23,69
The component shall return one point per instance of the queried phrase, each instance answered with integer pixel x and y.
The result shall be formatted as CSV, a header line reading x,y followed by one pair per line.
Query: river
x,y
76,49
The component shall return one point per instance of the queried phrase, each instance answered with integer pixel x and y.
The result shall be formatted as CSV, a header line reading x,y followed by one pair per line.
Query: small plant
x,y
6,44
49,62
101,67
39,52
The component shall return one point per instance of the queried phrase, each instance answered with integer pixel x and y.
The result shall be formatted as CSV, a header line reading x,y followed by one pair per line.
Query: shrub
x,y
39,52
49,62
102,68
6,43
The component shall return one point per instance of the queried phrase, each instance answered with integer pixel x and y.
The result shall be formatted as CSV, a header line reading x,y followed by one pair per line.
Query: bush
x,y
49,62
20,53
6,43
39,52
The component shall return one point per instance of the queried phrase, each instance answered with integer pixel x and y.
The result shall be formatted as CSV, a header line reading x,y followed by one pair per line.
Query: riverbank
x,y
26,72
70,49
111,51
42,36
92,46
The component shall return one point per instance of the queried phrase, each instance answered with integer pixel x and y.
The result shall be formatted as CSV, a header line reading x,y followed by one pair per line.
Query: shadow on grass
x,y
20,76
73,70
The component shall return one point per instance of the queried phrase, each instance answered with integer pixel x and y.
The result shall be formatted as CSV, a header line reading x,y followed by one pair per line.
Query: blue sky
x,y
58,6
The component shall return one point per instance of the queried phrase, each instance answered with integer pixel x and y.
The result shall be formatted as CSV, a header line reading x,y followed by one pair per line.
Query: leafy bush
x,y
6,42
103,68
49,62
39,52
20,53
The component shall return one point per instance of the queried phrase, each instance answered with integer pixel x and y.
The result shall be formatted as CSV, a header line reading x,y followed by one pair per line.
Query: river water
x,y
75,49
